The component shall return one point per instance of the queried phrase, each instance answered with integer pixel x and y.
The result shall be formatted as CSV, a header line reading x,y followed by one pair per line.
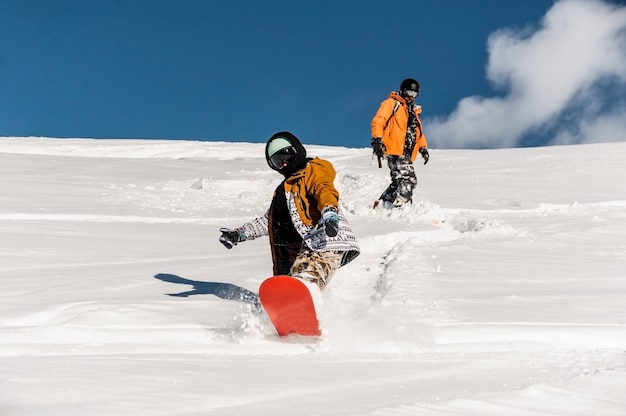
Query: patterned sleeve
x,y
256,228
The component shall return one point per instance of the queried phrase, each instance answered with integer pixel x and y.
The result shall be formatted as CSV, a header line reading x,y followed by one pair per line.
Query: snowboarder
x,y
397,135
309,236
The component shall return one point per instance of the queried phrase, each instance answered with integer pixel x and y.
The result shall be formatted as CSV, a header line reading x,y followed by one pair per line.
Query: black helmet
x,y
410,84
285,148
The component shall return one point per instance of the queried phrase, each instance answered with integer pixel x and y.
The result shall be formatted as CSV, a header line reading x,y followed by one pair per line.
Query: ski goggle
x,y
410,93
286,154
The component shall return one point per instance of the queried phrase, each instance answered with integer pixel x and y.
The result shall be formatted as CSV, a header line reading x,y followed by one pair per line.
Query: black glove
x,y
229,237
424,152
330,221
378,146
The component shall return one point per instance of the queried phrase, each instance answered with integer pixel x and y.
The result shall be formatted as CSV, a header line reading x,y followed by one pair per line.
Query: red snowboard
x,y
288,303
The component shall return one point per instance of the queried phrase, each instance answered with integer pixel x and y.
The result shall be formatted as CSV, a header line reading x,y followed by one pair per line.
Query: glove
x,y
424,152
378,146
230,238
330,221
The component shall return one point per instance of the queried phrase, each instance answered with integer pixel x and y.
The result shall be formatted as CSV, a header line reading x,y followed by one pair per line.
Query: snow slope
x,y
499,292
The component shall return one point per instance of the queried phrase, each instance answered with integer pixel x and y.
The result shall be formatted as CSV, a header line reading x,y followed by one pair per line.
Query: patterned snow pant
x,y
316,267
403,180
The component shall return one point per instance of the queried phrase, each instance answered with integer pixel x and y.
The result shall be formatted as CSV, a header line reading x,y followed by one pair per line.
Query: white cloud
x,y
575,56
602,129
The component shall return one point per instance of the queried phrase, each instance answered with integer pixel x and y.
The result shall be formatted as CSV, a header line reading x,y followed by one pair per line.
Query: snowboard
x,y
288,303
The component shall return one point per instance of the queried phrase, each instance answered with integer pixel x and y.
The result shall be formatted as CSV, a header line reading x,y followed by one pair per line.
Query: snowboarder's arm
x,y
382,117
322,185
256,228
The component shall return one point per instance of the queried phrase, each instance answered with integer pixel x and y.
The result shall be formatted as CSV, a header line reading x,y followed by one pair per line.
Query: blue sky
x,y
493,73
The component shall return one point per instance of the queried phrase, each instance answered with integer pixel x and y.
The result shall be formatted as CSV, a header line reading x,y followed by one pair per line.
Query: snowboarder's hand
x,y
229,237
378,147
424,152
330,221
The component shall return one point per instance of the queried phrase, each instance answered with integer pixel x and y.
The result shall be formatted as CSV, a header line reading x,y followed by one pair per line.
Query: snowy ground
x,y
499,292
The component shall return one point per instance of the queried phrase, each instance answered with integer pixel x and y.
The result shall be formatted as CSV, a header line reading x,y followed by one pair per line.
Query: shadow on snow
x,y
221,290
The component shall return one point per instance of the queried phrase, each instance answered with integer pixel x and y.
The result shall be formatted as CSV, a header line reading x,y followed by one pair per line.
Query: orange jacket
x,y
313,190
392,127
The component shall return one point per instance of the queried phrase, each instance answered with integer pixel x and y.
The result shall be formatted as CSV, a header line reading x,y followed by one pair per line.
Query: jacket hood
x,y
282,138
396,96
